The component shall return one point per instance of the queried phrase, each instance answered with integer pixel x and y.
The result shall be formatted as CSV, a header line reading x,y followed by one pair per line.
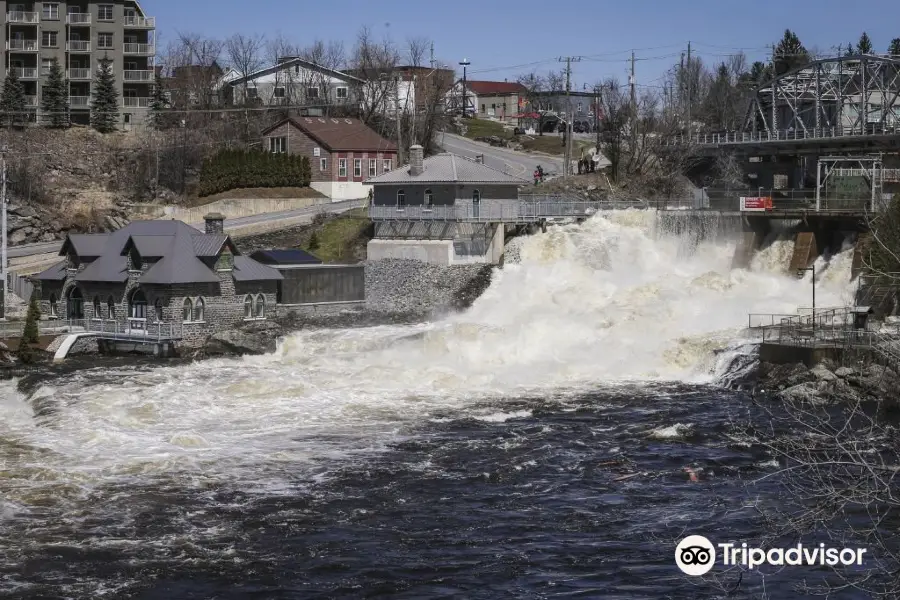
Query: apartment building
x,y
79,34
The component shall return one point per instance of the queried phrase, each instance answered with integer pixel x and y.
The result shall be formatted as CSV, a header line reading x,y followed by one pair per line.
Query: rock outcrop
x,y
253,338
827,382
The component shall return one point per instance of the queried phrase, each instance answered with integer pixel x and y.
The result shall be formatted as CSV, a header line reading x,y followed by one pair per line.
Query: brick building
x,y
343,153
151,274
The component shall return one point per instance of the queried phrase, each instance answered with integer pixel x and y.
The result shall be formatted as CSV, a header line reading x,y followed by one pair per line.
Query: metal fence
x,y
784,135
498,211
131,330
20,285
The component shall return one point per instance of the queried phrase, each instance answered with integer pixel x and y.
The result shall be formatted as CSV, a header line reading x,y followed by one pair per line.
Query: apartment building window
x,y
357,167
342,167
105,41
341,93
105,12
48,39
387,165
323,164
373,166
50,11
278,145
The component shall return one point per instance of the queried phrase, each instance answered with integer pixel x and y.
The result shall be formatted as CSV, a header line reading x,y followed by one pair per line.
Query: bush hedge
x,y
231,169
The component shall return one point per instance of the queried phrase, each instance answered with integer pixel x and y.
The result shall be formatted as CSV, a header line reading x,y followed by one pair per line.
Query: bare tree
x,y
556,81
195,70
417,48
375,62
534,84
245,56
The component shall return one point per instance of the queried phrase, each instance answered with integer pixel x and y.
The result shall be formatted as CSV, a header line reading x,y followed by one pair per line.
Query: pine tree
x,y
790,53
55,101
30,335
12,100
865,44
158,104
105,101
894,48
850,50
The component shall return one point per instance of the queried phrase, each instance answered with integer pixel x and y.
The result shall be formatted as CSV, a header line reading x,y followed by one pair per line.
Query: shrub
x,y
231,169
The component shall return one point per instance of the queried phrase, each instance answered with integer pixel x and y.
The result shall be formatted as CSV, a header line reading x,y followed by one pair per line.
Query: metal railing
x,y
135,21
22,45
131,330
78,18
78,46
19,16
489,211
133,75
26,72
132,48
79,101
784,135
79,73
135,102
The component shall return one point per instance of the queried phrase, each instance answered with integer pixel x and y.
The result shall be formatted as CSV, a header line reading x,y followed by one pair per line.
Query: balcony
x,y
78,18
77,74
27,73
79,101
147,49
78,46
134,102
22,45
29,18
140,22
139,76
31,101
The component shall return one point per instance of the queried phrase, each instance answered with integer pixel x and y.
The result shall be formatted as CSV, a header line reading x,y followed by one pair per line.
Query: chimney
x,y
215,223
416,160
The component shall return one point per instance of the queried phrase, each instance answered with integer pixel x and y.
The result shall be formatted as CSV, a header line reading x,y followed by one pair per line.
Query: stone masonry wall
x,y
411,286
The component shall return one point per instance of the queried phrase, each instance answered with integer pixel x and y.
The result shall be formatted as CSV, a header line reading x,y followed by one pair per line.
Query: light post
x,y
465,63
800,272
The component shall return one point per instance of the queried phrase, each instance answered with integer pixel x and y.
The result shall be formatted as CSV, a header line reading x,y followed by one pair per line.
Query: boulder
x,y
22,211
253,338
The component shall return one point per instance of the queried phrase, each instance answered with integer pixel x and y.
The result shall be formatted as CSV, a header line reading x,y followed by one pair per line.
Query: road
x,y
26,250
520,164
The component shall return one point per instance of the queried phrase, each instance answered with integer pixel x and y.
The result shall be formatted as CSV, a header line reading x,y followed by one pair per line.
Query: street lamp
x,y
800,272
465,63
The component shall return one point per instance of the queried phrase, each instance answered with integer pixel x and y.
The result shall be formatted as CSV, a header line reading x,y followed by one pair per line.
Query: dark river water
x,y
582,497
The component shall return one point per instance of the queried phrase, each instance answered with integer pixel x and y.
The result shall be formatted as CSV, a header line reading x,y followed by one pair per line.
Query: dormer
x,y
225,261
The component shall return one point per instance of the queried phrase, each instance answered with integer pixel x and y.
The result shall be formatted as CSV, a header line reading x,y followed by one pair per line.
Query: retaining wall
x,y
232,208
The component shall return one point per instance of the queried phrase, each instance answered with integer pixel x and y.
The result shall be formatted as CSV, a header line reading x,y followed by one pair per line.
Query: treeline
x,y
232,169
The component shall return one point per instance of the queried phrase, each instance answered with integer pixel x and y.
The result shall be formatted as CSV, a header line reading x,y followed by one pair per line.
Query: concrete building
x,y
343,153
78,34
490,99
158,279
445,209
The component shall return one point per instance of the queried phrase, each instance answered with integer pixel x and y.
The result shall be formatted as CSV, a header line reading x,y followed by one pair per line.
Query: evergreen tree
x,y
30,335
55,101
789,53
105,101
12,100
865,44
850,50
313,244
158,105
894,48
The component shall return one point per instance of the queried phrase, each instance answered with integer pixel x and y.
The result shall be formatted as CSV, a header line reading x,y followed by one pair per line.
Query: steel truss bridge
x,y
848,102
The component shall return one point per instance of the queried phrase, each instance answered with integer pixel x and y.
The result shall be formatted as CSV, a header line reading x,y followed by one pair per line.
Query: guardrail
x,y
132,330
784,135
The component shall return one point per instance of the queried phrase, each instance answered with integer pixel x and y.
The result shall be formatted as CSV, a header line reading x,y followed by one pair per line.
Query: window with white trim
x,y
278,145
260,308
187,310
373,166
342,167
105,12
323,164
105,41
50,10
401,200
387,165
312,92
248,306
429,199
49,39
357,167
341,93
199,310
280,92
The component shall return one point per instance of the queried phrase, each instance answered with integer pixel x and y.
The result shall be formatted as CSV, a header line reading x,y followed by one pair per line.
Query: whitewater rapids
x,y
609,302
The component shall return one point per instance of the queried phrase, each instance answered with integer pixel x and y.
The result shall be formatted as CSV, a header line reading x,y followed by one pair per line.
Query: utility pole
x,y
465,100
432,56
568,154
597,114
631,82
399,119
3,201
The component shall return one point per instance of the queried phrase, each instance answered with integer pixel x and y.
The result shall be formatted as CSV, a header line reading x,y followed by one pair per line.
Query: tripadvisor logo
x,y
695,555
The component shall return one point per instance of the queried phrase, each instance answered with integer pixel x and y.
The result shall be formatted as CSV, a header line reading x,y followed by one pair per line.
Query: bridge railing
x,y
133,329
747,137
490,211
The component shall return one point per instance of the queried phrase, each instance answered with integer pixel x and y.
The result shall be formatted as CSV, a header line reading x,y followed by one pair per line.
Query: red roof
x,y
495,87
339,135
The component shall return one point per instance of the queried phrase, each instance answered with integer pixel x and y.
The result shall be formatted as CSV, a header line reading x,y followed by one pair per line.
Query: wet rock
x,y
253,338
844,372
822,374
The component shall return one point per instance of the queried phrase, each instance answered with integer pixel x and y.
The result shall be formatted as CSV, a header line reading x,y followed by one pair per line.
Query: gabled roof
x,y
247,269
292,62
495,87
285,257
55,273
177,246
449,168
339,135
85,245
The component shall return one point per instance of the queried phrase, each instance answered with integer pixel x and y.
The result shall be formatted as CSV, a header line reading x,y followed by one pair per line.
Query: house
x,y
343,153
156,276
191,86
490,99
309,284
293,81
404,88
444,209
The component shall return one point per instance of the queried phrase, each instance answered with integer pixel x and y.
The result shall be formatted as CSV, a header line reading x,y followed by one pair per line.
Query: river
x,y
533,446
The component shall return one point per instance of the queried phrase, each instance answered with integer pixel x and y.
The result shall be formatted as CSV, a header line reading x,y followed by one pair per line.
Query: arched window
x,y
111,307
137,305
97,313
158,308
260,307
74,304
199,305
187,310
401,199
429,199
53,309
248,306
